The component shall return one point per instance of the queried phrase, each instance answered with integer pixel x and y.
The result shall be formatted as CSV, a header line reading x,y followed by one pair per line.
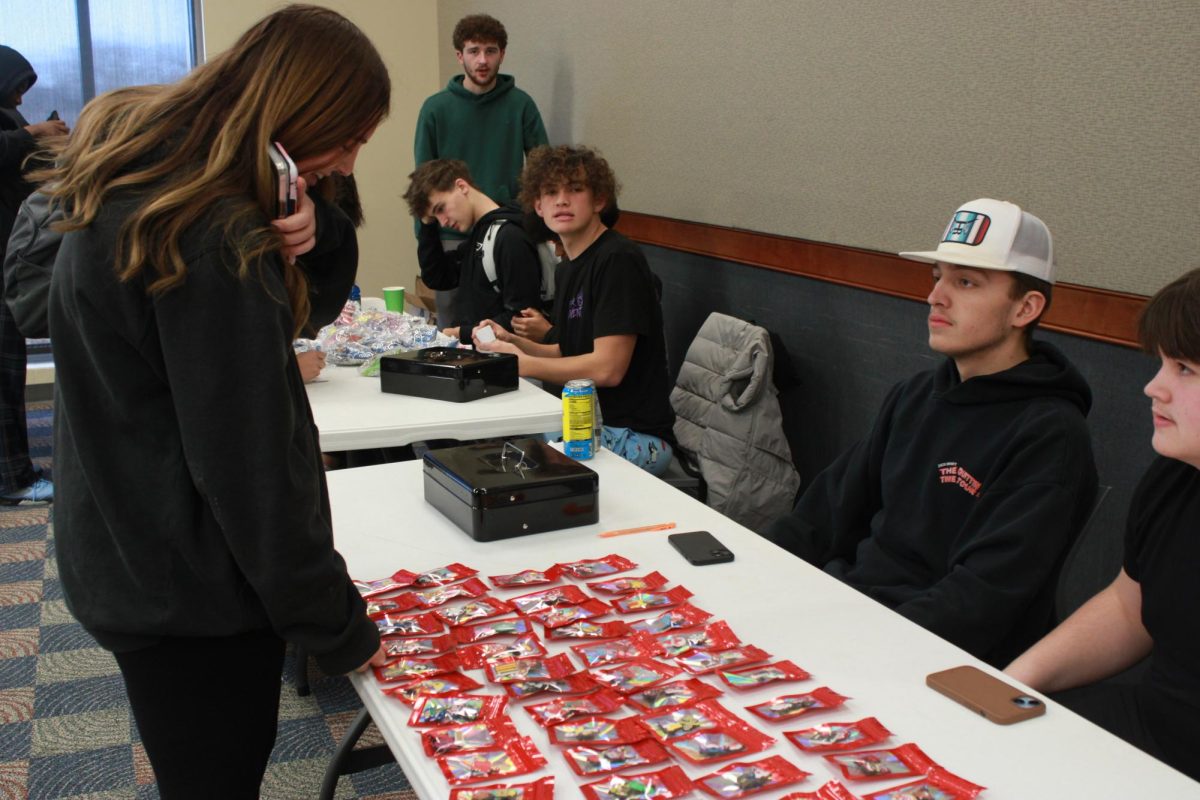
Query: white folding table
x,y
770,599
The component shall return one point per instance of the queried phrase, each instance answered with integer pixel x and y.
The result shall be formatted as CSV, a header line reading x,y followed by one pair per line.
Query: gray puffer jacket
x,y
728,416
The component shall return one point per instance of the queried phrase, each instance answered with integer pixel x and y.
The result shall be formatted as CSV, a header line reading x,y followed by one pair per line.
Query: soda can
x,y
579,418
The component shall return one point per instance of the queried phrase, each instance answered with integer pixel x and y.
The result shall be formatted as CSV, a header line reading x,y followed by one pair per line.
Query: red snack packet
x,y
435,711
717,636
447,683
672,695
476,655
471,736
541,789
597,731
789,706
830,791
478,631
575,683
588,760
663,784
869,765
517,757
839,735
753,677
528,577
409,625
673,723
699,662
401,579
597,654
479,608
646,583
442,576
937,785
746,778
380,606
734,738
565,615
635,675
595,567
545,600
679,618
650,601
420,646
440,595
408,668
553,712
589,629
523,670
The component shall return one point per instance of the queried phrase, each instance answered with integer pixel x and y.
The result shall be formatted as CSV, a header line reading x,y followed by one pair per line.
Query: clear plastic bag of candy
x,y
420,646
717,636
589,760
529,669
638,602
699,662
401,579
527,577
541,789
589,629
518,757
904,761
937,785
451,573
733,740
597,654
547,599
753,677
553,712
683,720
471,736
647,583
596,567
409,625
597,730
440,595
479,608
747,778
672,695
479,631
476,655
433,711
575,683
839,735
829,791
565,615
446,683
380,606
662,784
679,618
407,668
633,676
789,706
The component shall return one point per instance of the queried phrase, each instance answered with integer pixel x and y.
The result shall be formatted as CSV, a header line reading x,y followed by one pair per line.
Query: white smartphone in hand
x,y
485,334
286,174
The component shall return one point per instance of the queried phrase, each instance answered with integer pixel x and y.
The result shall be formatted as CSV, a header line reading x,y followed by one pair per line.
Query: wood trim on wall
x,y
1077,310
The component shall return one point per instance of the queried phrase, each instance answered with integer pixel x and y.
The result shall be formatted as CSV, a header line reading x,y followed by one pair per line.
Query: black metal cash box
x,y
499,490
448,373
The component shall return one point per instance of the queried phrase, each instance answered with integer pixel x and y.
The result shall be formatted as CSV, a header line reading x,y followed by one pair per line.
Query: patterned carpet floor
x,y
65,726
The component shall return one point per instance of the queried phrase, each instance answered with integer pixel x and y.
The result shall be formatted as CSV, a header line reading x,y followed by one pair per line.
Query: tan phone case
x,y
991,697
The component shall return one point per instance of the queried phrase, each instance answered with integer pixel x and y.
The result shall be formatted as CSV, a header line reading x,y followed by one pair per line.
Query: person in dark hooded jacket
x,y
960,505
19,479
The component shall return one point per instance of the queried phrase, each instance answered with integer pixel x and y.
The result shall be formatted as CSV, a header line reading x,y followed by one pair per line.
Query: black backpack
x,y
32,248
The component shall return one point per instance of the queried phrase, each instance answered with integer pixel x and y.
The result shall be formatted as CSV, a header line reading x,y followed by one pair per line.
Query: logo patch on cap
x,y
967,227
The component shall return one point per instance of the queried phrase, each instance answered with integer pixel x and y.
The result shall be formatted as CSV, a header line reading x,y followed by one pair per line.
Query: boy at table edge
x,y
959,507
607,311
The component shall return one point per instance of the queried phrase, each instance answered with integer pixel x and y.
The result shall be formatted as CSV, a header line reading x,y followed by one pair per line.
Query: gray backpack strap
x,y
489,253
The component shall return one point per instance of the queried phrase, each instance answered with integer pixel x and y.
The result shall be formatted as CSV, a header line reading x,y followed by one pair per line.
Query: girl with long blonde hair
x,y
192,523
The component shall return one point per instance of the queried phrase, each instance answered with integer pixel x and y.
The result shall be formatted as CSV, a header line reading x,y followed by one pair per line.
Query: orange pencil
x,y
662,526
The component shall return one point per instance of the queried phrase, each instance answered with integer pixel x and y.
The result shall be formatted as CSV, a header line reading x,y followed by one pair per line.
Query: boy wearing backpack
x,y
497,270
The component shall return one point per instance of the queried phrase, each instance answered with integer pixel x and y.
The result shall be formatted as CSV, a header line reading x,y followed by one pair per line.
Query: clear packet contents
x,y
446,683
435,711
647,583
517,757
829,791
541,789
905,761
545,600
523,670
699,662
638,602
475,656
679,618
479,631
663,784
565,615
635,675
937,785
471,736
715,636
614,651
589,629
553,712
839,735
408,668
418,646
597,731
401,579
576,683
753,677
527,577
440,595
409,625
746,778
479,608
597,567
589,760
673,695
442,576
790,706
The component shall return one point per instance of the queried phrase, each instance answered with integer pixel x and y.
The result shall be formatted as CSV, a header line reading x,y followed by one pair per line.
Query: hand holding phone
x,y
700,548
485,334
991,697
286,176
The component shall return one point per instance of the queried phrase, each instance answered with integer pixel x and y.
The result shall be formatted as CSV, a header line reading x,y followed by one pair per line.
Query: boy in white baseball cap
x,y
959,507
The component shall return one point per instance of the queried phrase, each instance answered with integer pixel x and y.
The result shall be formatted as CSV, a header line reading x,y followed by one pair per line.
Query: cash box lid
x,y
486,474
450,362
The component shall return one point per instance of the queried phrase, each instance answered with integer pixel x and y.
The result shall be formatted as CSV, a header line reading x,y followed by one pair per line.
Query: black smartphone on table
x,y
285,180
700,548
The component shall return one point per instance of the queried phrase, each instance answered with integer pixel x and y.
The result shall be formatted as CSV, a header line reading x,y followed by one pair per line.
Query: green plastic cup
x,y
393,298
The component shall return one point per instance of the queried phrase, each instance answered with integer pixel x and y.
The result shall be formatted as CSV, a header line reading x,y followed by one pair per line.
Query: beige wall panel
x,y
867,122
405,33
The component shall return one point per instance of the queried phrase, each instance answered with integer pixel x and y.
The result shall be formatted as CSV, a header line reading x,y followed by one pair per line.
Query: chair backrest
x,y
1092,562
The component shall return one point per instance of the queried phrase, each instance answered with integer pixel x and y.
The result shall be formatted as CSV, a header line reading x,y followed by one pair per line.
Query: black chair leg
x,y
300,672
346,760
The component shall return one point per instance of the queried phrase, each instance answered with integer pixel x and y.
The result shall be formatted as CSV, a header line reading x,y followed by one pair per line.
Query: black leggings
x,y
207,710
